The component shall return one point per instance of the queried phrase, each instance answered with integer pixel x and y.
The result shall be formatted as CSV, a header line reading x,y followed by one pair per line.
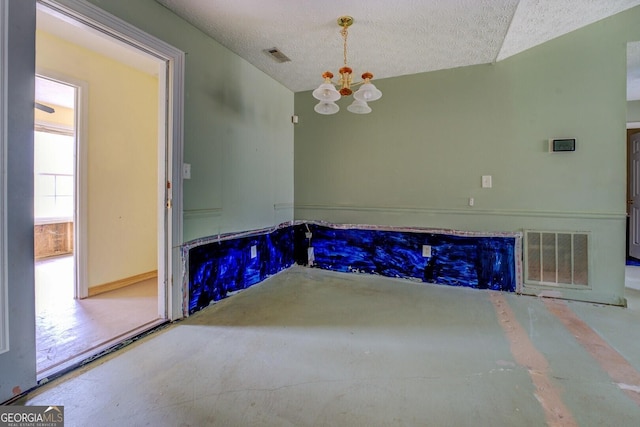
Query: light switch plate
x,y
186,170
486,181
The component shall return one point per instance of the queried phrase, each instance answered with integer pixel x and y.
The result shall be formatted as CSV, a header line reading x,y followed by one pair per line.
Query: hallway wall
x,y
122,158
633,111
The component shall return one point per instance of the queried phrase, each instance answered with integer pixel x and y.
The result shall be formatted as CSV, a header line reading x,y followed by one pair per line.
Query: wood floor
x,y
69,330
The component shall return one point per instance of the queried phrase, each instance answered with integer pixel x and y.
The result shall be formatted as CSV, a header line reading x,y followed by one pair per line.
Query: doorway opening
x,y
632,268
54,217
100,183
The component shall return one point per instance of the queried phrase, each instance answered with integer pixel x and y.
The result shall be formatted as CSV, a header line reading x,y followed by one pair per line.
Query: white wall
x,y
633,111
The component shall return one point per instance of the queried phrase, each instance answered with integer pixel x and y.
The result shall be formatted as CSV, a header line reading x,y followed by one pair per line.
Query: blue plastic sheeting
x,y
218,267
221,267
474,261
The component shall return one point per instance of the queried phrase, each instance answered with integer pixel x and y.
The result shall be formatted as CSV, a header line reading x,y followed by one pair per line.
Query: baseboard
x,y
112,286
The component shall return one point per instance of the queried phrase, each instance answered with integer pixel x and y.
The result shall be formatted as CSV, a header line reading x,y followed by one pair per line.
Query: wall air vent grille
x,y
556,258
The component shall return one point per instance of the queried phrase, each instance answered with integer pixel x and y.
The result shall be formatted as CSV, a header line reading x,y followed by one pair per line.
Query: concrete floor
x,y
316,348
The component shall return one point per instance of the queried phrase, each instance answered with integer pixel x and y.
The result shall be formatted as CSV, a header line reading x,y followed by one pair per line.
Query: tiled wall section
x,y
458,259
225,264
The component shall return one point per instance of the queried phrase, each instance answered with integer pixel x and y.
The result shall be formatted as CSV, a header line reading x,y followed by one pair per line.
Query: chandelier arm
x,y
361,82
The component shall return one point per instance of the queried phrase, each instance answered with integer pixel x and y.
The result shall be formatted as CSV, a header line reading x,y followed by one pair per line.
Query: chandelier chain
x,y
344,32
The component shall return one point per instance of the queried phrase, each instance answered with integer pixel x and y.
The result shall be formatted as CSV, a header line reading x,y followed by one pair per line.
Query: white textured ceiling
x,y
54,93
387,38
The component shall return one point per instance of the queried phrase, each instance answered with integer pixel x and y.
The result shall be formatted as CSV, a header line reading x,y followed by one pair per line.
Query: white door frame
x,y
4,293
634,195
170,288
80,245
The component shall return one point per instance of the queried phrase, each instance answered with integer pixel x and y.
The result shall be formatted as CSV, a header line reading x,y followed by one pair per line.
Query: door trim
x,y
632,219
80,244
98,19
4,294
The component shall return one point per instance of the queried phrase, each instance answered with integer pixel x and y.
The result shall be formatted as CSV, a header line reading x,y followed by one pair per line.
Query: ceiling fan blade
x,y
44,108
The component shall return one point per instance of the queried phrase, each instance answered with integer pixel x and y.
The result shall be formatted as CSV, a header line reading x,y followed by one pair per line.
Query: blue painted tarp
x,y
222,265
483,262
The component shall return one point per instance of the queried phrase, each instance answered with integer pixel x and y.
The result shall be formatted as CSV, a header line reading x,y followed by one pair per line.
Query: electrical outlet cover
x,y
426,251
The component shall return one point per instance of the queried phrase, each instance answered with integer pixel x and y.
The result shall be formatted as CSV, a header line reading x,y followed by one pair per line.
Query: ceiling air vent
x,y
277,56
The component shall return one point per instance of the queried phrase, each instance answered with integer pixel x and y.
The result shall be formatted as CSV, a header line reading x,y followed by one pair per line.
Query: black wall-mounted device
x,y
559,145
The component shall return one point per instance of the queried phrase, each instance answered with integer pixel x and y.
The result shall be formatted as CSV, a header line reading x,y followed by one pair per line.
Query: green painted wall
x,y
633,111
419,156
238,134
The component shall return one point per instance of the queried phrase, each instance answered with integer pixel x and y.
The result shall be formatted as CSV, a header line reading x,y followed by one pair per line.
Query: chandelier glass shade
x,y
359,107
327,93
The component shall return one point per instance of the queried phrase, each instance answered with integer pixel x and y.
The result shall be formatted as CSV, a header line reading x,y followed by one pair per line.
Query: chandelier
x,y
327,92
